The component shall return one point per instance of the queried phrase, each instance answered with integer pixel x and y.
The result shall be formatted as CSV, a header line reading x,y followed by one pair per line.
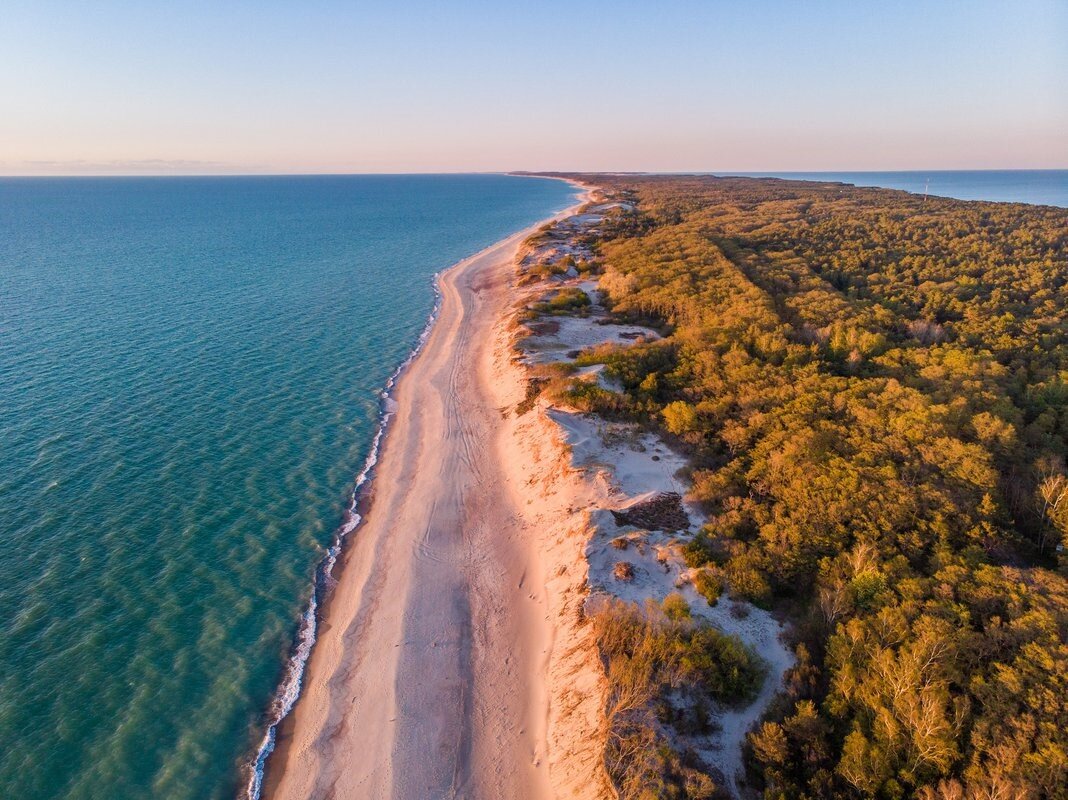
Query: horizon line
x,y
516,172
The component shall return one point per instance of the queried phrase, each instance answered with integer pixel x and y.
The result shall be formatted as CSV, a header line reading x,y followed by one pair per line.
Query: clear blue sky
x,y
419,86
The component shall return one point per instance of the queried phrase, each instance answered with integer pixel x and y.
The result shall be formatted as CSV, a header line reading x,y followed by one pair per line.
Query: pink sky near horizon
x,y
325,87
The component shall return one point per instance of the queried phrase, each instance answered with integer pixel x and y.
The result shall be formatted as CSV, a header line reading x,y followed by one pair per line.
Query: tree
x,y
679,417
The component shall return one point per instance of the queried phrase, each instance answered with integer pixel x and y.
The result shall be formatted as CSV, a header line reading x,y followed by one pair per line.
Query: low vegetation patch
x,y
533,390
709,585
665,670
565,301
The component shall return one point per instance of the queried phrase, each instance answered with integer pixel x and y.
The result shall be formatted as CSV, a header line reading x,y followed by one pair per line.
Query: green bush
x,y
675,607
708,586
866,588
564,302
679,417
748,583
651,657
698,551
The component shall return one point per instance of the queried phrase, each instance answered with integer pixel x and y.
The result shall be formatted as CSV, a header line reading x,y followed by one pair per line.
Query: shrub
x,y
748,583
650,657
675,607
564,301
534,388
679,417
708,586
866,588
591,398
545,270
698,551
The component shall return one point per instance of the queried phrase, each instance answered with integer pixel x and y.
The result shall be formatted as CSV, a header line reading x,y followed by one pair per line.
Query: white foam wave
x,y
289,689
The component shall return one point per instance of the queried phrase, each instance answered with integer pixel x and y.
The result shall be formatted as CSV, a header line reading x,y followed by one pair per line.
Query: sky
x,y
306,87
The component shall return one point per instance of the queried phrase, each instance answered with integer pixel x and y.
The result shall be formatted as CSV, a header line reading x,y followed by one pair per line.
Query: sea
x,y
1036,186
191,385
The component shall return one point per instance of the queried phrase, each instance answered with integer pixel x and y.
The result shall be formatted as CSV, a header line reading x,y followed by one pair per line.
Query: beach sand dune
x,y
443,648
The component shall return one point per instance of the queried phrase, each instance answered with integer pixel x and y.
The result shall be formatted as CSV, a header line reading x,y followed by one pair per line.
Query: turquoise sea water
x,y
189,383
1037,186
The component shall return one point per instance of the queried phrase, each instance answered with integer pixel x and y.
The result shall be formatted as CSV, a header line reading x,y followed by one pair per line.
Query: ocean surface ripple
x,y
191,373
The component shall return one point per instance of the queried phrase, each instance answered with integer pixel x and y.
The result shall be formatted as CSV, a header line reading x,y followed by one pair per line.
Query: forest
x,y
872,388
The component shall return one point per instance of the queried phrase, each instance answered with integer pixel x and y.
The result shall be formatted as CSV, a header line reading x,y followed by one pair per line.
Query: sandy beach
x,y
447,664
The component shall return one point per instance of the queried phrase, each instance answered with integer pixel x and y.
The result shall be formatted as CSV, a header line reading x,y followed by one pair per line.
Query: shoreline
x,y
273,768
289,688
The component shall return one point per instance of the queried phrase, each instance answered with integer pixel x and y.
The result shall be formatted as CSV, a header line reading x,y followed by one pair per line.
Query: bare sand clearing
x,y
452,661
630,466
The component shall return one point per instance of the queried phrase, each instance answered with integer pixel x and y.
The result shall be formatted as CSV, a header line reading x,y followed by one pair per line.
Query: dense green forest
x,y
874,392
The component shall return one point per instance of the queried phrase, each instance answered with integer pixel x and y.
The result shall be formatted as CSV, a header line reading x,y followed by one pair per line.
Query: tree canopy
x,y
874,391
